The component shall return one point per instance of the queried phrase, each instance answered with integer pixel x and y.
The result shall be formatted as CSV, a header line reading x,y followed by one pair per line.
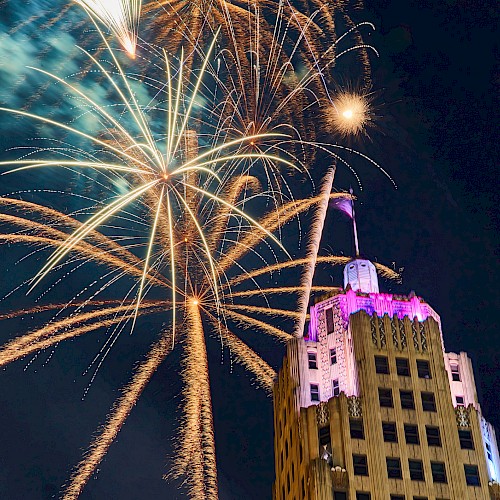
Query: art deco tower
x,y
369,405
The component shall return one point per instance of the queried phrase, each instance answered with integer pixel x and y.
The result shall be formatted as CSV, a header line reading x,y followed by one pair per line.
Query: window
x,y
455,373
333,356
335,387
397,497
324,435
402,367
420,498
360,465
438,472
407,400
466,442
339,495
390,433
433,436
329,320
357,430
314,392
411,434
472,475
460,400
313,364
428,401
385,397
488,451
393,468
381,364
360,495
423,369
416,470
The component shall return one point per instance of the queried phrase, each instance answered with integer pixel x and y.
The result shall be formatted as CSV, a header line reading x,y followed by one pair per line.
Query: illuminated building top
x,y
369,396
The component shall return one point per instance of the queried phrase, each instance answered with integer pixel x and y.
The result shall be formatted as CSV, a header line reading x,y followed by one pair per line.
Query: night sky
x,y
435,91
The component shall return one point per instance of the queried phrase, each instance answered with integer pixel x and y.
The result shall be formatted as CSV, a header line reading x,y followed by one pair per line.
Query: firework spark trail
x,y
117,416
244,355
208,441
120,16
197,445
61,306
45,230
47,335
387,272
332,259
312,249
95,254
271,222
246,322
240,185
54,216
285,290
264,310
9,356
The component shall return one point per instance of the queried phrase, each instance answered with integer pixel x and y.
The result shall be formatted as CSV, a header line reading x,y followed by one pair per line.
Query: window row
x,y
406,398
312,359
402,367
416,469
314,390
390,433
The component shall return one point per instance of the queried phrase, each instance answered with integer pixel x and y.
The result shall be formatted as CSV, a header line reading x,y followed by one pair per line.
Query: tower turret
x,y
361,275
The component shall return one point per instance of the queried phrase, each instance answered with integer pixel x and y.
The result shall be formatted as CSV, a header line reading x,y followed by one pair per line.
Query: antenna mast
x,y
356,243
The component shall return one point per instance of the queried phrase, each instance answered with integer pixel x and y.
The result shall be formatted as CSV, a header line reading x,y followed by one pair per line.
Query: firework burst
x,y
191,189
120,16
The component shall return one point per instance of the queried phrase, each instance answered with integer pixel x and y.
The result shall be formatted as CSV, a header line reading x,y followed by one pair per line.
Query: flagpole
x,y
356,243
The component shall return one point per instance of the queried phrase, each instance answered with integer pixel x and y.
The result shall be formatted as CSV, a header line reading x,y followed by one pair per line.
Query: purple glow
x,y
384,303
343,204
351,302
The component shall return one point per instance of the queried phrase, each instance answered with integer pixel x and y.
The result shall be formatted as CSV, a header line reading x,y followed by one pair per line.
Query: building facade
x,y
369,405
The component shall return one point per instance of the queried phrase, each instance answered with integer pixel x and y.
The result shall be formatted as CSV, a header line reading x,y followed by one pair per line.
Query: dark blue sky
x,y
436,86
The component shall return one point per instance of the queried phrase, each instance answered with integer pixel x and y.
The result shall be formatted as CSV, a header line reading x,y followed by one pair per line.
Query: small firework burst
x,y
350,113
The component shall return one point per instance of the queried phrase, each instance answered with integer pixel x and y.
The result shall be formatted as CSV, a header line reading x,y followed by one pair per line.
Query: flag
x,y
344,204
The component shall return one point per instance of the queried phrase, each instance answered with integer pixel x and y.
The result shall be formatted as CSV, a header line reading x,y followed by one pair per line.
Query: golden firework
x,y
349,114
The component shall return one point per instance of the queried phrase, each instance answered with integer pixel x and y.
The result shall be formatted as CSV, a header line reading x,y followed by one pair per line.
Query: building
x,y
369,405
